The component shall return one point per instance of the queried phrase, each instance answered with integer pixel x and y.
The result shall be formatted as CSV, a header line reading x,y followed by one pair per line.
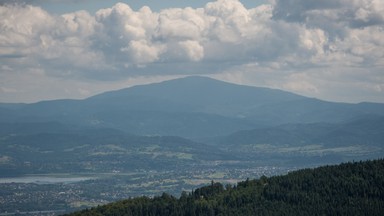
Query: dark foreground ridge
x,y
355,188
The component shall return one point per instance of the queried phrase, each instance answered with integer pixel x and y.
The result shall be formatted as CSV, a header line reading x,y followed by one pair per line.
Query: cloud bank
x,y
307,46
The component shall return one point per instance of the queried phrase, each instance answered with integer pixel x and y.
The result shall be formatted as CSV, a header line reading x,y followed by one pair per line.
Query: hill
x,y
364,133
43,148
346,189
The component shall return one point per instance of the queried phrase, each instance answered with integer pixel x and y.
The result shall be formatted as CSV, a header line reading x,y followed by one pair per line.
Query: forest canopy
x,y
355,188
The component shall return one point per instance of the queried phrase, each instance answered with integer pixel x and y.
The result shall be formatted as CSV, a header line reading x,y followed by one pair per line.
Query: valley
x,y
47,194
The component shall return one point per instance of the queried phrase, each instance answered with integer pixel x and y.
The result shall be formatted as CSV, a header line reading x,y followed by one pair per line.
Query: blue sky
x,y
327,49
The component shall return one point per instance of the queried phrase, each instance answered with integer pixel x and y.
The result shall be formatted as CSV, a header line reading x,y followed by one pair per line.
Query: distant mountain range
x,y
234,121
189,107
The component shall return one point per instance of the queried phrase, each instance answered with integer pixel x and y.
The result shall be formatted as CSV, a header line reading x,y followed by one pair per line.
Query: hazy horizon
x,y
330,50
149,82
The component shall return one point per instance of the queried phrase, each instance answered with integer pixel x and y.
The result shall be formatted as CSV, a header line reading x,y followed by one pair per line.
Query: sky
x,y
327,49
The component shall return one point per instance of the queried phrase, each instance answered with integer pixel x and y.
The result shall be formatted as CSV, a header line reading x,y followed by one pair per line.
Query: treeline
x,y
355,188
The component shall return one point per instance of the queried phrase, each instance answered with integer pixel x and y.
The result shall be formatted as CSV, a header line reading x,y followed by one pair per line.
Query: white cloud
x,y
180,24
141,52
285,38
193,49
20,33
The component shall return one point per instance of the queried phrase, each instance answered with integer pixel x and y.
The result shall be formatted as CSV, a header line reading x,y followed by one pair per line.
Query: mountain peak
x,y
206,93
196,104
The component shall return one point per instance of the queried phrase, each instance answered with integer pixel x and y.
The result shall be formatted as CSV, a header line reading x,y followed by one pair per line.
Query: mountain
x,y
191,107
206,95
345,189
201,94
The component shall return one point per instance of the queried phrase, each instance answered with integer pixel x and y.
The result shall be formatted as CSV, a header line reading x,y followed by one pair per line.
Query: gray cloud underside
x,y
120,42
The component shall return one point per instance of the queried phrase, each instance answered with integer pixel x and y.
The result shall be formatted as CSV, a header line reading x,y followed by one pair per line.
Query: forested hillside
x,y
355,188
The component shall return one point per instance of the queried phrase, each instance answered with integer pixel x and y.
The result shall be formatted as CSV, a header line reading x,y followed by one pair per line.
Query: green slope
x,y
40,148
348,189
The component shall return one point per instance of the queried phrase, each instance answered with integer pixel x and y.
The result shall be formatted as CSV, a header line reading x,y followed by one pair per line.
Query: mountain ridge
x,y
177,107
